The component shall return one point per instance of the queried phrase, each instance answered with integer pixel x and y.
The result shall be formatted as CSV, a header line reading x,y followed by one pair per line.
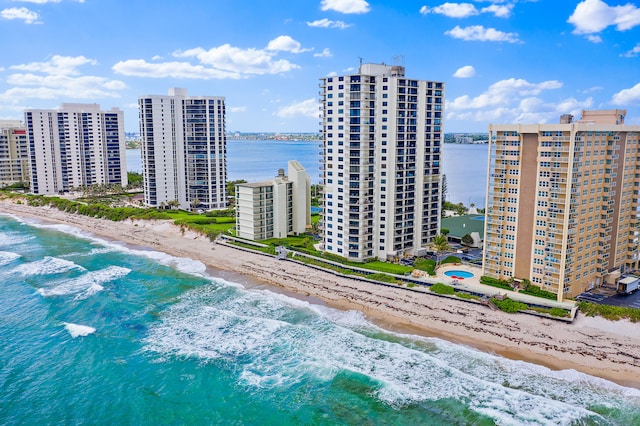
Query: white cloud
x,y
594,38
465,72
480,33
221,62
627,96
593,16
452,10
633,52
238,109
327,23
156,58
500,11
308,108
172,69
345,6
28,16
58,78
502,93
58,65
326,53
287,44
515,101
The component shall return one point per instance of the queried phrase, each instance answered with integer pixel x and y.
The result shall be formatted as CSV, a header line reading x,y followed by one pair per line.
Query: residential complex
x,y
380,162
74,146
276,208
184,150
562,202
14,153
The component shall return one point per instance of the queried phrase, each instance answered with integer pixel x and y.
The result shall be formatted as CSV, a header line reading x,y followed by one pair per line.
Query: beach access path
x,y
607,349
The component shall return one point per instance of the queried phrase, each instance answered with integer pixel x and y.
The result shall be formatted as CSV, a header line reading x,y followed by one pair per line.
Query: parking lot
x,y
608,296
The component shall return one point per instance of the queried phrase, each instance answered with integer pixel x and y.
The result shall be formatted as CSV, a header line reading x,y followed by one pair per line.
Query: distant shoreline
x,y
592,345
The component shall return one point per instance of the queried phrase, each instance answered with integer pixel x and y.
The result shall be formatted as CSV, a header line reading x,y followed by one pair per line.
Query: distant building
x,y
184,150
14,153
380,162
275,208
562,201
76,145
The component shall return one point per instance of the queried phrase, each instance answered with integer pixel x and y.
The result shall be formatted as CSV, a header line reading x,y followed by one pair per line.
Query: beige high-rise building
x,y
562,202
14,153
274,208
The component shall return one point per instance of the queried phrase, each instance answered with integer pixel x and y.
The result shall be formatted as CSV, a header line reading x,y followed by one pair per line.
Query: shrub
x,y
510,306
440,288
494,282
610,312
534,290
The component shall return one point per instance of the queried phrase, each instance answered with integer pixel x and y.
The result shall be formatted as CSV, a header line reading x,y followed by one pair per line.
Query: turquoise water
x,y
459,274
93,332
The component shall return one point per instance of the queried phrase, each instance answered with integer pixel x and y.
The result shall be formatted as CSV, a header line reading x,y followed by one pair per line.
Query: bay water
x,y
258,160
96,332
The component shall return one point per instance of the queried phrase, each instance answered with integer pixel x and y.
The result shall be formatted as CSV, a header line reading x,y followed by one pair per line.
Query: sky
x,y
502,61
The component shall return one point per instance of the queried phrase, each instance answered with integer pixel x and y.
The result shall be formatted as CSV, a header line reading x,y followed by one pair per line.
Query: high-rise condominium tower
x,y
76,145
14,152
562,202
380,162
184,150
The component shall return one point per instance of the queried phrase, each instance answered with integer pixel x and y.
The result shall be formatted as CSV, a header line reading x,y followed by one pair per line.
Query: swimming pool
x,y
459,274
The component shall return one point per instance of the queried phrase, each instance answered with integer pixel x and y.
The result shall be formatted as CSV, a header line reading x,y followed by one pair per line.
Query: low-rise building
x,y
274,208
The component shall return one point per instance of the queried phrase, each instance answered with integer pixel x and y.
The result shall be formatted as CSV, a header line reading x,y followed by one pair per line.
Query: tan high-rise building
x,y
562,202
14,153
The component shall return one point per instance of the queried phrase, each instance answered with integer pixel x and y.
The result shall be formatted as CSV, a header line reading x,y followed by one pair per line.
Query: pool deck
x,y
473,285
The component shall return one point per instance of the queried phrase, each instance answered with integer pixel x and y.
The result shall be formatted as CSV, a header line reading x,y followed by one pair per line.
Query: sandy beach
x,y
595,346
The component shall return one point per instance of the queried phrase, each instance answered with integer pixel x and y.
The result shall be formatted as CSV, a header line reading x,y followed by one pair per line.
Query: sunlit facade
x,y
562,202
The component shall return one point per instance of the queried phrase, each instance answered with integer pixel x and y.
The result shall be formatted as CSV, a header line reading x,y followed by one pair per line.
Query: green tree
x,y
467,240
195,203
440,244
231,187
135,179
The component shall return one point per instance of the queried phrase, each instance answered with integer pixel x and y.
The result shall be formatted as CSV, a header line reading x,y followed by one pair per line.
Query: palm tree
x,y
440,244
195,203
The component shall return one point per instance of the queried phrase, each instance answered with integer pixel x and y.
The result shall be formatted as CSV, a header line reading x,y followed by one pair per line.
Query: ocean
x,y
258,160
96,332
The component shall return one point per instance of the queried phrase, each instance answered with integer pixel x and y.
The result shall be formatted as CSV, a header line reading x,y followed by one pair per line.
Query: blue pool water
x,y
459,274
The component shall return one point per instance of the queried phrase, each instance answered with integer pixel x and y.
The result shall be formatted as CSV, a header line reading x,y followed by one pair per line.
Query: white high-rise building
x,y
275,208
76,145
380,162
14,153
184,150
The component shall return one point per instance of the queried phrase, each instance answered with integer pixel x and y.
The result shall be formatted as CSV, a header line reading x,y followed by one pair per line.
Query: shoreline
x,y
596,346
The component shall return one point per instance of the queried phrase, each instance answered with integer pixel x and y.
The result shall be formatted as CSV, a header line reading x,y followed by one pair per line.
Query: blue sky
x,y
503,61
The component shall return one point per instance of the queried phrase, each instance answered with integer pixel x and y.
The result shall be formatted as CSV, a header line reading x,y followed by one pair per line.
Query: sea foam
x,y
86,284
47,266
77,330
275,342
7,257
